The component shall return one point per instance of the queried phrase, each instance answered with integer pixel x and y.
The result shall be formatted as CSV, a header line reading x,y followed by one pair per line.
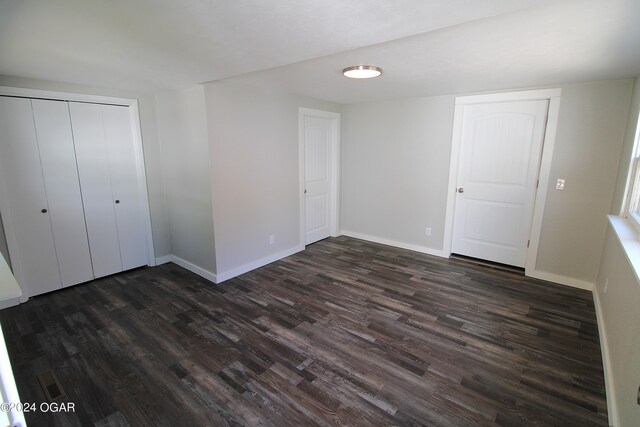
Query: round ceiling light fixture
x,y
362,71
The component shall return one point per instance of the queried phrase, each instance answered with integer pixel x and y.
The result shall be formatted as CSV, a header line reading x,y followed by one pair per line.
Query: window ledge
x,y
628,237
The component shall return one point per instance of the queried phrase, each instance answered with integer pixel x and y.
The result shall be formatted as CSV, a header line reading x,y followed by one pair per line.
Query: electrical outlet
x,y
560,184
606,285
272,239
428,231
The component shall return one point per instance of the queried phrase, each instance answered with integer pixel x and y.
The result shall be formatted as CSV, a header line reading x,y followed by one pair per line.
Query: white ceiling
x,y
426,47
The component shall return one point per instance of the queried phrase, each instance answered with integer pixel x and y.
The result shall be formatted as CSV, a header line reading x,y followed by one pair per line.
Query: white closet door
x,y
35,264
95,184
124,182
58,159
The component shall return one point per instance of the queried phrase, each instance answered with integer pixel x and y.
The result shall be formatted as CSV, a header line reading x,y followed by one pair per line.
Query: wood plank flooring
x,y
345,333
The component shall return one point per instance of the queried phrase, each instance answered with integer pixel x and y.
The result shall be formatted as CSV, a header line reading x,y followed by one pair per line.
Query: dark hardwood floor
x,y
344,333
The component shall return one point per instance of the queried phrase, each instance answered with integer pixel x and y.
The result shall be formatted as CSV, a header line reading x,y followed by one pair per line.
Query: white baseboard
x,y
191,267
562,280
258,263
612,411
163,259
389,242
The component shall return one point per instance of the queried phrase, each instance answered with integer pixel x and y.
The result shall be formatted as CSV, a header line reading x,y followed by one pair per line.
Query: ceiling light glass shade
x,y
362,71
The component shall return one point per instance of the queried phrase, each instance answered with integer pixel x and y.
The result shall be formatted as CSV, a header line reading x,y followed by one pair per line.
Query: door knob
x,y
117,201
43,211
460,190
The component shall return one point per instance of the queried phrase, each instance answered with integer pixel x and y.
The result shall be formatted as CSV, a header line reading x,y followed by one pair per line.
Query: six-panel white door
x,y
25,207
318,145
497,179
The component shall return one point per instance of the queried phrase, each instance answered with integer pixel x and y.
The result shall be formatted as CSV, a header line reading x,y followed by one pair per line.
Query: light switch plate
x,y
560,184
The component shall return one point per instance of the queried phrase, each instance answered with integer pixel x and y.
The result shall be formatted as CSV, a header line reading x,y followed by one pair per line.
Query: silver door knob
x,y
460,190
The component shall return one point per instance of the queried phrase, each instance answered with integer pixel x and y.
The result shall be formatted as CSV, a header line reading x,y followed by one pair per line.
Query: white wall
x,y
591,127
619,319
627,148
395,165
395,168
151,147
182,129
619,316
253,138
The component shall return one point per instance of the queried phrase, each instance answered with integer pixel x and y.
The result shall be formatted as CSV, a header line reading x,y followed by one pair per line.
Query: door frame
x,y
334,200
137,138
553,96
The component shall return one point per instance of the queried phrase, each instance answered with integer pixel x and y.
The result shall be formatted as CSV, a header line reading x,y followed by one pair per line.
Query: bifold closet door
x,y
58,160
34,256
95,180
124,183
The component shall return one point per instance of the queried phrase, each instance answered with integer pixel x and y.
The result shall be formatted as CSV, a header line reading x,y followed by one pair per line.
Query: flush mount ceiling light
x,y
362,71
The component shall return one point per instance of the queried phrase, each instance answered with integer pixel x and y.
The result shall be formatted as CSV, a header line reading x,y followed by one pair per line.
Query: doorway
x,y
319,153
501,154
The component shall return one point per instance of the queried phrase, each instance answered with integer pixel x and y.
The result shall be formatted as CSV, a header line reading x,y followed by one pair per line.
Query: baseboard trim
x,y
612,411
229,274
416,248
193,268
562,280
163,259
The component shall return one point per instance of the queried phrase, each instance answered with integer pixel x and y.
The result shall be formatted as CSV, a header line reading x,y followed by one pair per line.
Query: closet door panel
x,y
58,159
95,184
124,181
34,254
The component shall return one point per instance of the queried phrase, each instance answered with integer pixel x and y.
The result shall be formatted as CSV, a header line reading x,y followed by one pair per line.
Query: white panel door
x,y
124,182
318,134
497,179
33,253
97,194
58,159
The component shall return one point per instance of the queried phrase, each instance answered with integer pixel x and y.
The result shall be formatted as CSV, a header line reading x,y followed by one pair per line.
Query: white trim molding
x,y
229,274
562,280
163,259
335,168
189,266
553,96
612,410
522,95
389,242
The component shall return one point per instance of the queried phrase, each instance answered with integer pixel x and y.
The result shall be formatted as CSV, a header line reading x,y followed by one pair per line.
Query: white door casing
x,y
58,160
501,145
24,202
319,174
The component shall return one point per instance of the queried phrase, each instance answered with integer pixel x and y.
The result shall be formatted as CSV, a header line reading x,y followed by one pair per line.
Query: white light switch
x,y
560,184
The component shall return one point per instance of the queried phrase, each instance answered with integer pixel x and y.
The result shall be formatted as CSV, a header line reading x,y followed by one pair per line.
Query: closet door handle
x,y
43,211
117,201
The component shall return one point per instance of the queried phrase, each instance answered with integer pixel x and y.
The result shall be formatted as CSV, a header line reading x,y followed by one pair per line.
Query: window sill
x,y
628,237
